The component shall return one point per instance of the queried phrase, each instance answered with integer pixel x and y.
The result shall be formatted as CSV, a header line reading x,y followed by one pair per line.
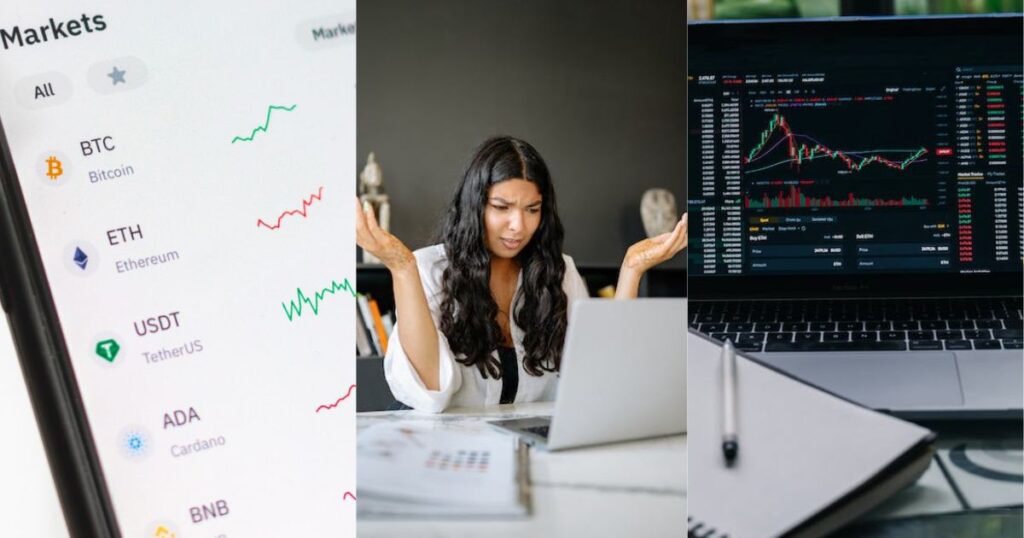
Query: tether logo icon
x,y
108,349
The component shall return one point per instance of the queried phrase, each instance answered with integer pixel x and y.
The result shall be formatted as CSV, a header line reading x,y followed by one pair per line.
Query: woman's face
x,y
512,216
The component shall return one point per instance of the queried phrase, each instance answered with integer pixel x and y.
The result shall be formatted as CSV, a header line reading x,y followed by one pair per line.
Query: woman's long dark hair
x,y
468,310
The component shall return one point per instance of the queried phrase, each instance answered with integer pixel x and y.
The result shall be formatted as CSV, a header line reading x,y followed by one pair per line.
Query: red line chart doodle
x,y
338,401
347,495
300,212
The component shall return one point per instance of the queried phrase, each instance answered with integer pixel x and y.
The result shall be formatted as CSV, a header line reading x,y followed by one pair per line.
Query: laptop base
x,y
533,431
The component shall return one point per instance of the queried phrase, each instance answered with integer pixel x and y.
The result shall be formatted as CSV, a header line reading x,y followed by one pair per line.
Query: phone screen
x,y
188,170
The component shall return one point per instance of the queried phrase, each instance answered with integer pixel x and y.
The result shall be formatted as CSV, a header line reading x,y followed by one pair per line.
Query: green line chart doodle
x,y
294,308
266,123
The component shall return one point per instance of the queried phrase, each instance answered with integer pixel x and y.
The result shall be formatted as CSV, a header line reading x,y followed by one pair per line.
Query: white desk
x,y
635,489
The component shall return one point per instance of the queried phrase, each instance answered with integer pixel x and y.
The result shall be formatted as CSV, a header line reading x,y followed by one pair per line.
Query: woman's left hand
x,y
650,252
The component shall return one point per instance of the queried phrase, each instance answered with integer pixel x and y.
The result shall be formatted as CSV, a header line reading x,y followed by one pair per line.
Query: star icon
x,y
117,76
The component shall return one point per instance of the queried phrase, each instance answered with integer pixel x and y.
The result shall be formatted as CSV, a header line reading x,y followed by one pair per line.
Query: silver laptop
x,y
856,214
623,376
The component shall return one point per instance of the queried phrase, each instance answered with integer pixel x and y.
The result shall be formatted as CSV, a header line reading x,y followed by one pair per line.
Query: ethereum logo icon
x,y
80,259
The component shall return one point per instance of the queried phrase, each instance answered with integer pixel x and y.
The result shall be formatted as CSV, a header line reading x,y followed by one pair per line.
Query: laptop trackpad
x,y
880,380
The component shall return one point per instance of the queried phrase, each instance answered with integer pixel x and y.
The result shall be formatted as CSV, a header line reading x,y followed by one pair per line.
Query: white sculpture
x,y
658,211
371,182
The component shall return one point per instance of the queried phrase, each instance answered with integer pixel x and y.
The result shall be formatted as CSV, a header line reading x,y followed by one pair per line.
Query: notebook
x,y
808,462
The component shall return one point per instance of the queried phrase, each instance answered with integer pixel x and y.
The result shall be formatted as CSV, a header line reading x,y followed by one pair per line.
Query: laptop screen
x,y
830,155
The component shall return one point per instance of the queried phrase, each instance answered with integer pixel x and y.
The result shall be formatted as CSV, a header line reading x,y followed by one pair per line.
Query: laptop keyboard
x,y
862,325
538,430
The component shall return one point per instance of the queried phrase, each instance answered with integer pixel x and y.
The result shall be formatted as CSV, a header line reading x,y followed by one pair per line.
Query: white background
x,y
28,500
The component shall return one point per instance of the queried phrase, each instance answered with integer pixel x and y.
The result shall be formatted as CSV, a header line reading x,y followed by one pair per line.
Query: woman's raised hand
x,y
386,247
650,252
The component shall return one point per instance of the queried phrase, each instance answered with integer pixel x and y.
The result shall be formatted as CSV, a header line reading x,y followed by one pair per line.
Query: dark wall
x,y
598,87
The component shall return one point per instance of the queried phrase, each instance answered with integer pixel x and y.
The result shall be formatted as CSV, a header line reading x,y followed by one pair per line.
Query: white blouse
x,y
461,385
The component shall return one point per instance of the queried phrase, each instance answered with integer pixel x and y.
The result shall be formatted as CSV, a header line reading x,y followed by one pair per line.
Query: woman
x,y
482,315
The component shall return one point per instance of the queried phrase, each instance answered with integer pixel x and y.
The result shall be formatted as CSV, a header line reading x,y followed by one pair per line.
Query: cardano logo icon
x,y
135,443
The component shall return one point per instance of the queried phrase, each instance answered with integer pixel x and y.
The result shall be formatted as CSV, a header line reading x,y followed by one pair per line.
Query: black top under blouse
x,y
509,374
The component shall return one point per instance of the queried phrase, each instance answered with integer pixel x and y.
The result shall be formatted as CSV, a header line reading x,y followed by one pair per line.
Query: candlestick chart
x,y
800,158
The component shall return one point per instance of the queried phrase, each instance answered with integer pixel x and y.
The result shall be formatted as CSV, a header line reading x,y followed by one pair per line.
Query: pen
x,y
523,473
730,441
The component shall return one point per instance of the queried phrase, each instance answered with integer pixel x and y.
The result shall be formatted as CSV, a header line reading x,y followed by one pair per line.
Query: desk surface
x,y
974,487
624,489
639,488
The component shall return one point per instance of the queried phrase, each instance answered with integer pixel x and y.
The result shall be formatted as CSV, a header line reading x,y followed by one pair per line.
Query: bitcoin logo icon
x,y
54,168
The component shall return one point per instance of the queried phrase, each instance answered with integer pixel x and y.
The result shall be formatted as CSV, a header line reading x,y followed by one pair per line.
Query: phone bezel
x,y
46,365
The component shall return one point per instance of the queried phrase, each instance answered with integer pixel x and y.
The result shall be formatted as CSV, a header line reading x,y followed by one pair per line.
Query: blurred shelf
x,y
375,280
373,393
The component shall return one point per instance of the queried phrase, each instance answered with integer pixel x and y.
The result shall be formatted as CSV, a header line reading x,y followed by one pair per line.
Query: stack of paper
x,y
408,470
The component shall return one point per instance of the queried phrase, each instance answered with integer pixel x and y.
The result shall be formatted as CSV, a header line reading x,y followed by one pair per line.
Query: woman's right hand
x,y
386,247
417,333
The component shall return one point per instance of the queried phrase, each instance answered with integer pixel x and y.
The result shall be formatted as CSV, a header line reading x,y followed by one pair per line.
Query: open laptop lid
x,y
623,373
855,158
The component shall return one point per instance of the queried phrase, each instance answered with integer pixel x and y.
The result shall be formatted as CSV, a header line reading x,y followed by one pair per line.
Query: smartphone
x,y
177,259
